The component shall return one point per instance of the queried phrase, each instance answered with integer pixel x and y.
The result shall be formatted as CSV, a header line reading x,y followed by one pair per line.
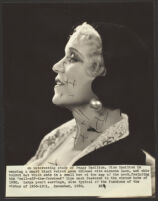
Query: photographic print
x,y
78,93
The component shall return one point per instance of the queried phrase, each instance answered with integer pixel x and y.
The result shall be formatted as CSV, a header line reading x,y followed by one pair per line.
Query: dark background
x,y
34,39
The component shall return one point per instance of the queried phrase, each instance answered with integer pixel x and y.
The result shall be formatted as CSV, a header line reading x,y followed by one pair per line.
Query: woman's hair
x,y
127,84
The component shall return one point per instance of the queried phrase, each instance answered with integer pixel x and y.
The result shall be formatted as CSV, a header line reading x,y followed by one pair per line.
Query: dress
x,y
114,146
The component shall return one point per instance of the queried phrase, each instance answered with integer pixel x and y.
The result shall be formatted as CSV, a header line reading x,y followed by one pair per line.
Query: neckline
x,y
115,132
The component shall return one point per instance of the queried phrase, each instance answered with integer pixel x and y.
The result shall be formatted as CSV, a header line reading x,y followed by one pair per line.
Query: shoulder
x,y
62,129
55,135
119,152
51,140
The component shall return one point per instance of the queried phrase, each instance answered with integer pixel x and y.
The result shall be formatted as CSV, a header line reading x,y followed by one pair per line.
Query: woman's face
x,y
74,72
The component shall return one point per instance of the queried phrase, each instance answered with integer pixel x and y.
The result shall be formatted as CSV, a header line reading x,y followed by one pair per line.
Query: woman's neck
x,y
91,123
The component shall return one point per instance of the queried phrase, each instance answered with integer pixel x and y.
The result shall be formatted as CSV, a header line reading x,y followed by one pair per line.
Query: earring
x,y
96,104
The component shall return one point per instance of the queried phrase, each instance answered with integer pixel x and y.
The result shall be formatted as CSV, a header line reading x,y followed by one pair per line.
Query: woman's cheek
x,y
79,84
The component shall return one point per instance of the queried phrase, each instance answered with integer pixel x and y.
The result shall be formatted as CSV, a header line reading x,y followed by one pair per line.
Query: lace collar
x,y
54,140
114,133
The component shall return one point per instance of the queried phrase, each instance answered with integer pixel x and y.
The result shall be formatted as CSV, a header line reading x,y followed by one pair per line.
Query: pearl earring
x,y
96,104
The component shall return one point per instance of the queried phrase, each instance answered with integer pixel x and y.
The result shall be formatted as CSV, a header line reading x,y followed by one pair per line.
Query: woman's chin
x,y
57,100
60,100
66,101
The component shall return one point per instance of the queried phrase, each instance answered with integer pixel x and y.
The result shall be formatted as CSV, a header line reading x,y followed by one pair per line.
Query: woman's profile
x,y
101,81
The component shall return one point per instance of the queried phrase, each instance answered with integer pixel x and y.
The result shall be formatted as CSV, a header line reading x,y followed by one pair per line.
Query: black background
x,y
34,39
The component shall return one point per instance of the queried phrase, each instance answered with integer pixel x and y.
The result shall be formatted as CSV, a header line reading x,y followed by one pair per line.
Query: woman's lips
x,y
58,82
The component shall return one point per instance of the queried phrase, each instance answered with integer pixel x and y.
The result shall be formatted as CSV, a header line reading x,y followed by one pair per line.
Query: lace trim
x,y
54,139
112,134
51,142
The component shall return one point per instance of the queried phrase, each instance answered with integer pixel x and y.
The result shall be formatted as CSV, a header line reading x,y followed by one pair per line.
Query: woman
x,y
101,81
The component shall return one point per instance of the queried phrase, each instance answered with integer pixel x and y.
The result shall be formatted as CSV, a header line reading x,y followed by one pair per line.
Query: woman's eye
x,y
72,58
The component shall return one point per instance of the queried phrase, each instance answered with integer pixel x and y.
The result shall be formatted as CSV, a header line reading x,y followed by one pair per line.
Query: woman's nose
x,y
59,67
